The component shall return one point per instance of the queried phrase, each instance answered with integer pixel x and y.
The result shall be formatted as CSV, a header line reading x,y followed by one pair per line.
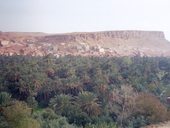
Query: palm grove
x,y
83,92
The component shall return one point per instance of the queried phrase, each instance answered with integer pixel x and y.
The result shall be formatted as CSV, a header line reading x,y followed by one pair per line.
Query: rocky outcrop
x,y
4,43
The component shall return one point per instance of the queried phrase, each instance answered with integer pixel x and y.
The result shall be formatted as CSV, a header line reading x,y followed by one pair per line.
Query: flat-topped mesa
x,y
73,37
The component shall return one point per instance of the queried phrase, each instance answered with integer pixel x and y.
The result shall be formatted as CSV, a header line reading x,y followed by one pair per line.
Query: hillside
x,y
113,79
107,43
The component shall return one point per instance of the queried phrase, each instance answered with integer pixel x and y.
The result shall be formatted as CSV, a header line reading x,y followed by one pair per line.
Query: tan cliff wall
x,y
96,36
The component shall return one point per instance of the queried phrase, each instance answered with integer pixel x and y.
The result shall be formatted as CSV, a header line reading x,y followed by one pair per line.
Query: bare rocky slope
x,y
107,43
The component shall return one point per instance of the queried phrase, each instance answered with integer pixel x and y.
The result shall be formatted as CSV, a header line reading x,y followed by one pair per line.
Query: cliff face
x,y
96,36
121,34
107,43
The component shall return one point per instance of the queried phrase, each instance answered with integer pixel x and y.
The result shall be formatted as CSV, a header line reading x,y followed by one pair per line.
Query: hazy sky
x,y
59,16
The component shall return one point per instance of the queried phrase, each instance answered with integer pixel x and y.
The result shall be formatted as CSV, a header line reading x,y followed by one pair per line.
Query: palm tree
x,y
61,103
89,103
73,88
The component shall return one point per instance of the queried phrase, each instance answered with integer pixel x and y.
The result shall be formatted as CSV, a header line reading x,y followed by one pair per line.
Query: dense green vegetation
x,y
83,92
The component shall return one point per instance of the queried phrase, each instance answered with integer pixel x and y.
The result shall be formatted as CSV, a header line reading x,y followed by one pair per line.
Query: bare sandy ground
x,y
162,125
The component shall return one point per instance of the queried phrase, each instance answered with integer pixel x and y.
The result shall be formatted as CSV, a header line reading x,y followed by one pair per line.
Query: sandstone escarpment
x,y
96,36
121,35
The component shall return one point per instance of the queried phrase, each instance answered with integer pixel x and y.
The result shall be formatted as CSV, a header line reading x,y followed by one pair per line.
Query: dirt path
x,y
162,125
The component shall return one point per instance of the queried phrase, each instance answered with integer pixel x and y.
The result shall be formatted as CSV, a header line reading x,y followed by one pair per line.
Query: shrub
x,y
4,98
151,108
